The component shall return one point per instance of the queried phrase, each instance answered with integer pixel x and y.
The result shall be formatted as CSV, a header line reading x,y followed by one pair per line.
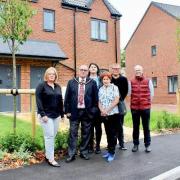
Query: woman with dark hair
x,y
96,124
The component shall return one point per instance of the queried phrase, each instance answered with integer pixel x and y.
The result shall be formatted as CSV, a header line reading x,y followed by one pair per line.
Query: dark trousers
x,y
111,124
85,133
96,124
121,132
145,116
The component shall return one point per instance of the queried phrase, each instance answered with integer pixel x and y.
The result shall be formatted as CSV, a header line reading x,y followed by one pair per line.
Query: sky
x,y
132,11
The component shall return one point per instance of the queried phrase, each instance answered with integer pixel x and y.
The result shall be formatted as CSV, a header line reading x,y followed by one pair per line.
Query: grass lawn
x,y
159,120
6,126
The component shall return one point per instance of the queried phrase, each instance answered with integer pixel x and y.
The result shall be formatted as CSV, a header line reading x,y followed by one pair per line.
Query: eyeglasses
x,y
51,74
83,70
116,68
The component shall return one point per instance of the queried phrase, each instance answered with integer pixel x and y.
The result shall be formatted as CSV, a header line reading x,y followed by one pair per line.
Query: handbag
x,y
122,107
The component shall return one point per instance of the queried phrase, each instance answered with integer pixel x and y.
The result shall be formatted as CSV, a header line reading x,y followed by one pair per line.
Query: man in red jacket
x,y
141,91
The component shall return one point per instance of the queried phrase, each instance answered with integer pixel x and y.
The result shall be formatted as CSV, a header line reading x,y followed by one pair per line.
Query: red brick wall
x,y
87,51
157,28
102,53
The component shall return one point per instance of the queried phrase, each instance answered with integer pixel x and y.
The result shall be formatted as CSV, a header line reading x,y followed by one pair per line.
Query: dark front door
x,y
37,76
6,82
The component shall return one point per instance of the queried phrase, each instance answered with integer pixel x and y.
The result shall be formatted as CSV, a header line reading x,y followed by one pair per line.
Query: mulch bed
x,y
38,157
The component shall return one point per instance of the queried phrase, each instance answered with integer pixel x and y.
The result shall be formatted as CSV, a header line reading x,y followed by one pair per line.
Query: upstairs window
x,y
153,50
98,30
49,20
154,81
172,84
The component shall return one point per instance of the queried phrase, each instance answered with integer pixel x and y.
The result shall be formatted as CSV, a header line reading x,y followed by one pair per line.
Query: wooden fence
x,y
33,103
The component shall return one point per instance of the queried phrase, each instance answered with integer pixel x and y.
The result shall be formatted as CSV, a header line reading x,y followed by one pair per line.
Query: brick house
x,y
154,46
66,33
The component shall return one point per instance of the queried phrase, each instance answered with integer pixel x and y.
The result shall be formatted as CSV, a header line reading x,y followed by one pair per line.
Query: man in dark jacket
x,y
81,104
122,83
141,91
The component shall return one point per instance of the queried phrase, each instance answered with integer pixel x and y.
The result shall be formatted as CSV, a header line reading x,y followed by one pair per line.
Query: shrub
x,y
22,153
159,125
61,141
13,142
2,153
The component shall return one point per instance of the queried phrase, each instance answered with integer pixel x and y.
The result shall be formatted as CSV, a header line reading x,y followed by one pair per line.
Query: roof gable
x,y
86,4
169,9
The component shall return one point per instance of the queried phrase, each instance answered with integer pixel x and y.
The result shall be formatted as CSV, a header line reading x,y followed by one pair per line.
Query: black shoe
x,y
54,164
84,156
135,148
98,150
122,148
90,151
148,149
46,159
70,159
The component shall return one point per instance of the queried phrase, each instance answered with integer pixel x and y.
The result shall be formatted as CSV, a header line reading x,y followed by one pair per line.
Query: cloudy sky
x,y
132,11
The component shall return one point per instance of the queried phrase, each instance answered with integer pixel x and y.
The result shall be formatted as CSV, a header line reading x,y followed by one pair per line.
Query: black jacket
x,y
122,84
90,97
49,101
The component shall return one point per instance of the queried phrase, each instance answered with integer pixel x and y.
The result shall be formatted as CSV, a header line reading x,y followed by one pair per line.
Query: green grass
x,y
6,127
159,120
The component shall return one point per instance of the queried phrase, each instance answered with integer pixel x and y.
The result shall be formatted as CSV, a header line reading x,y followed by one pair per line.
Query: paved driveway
x,y
126,166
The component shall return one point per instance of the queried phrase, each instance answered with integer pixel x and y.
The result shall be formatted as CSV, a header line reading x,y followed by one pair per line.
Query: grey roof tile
x,y
170,9
36,48
87,4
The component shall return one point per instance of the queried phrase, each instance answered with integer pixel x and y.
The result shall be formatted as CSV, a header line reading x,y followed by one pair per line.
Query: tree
x,y
123,58
14,29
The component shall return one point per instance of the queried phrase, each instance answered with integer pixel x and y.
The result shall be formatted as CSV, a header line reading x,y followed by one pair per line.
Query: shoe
x,y
106,155
84,156
46,159
54,164
135,148
98,150
148,149
90,151
122,148
70,159
110,157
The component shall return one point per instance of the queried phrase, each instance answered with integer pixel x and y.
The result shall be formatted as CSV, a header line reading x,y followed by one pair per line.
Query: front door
x,y
6,82
37,76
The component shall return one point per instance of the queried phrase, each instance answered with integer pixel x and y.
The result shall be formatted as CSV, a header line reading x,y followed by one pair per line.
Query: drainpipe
x,y
115,27
75,53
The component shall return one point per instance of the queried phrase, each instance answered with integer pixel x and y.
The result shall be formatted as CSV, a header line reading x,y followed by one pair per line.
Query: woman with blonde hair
x,y
50,108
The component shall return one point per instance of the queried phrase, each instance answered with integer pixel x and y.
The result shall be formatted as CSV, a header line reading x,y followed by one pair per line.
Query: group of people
x,y
90,100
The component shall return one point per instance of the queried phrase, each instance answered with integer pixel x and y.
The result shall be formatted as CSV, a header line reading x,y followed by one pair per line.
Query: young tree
x,y
14,29
123,58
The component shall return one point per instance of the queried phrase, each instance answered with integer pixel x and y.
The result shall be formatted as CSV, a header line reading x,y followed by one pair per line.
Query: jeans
x,y
50,129
145,116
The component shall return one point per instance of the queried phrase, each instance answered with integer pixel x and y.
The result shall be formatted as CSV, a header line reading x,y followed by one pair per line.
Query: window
x,y
154,81
49,20
153,51
98,30
172,84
